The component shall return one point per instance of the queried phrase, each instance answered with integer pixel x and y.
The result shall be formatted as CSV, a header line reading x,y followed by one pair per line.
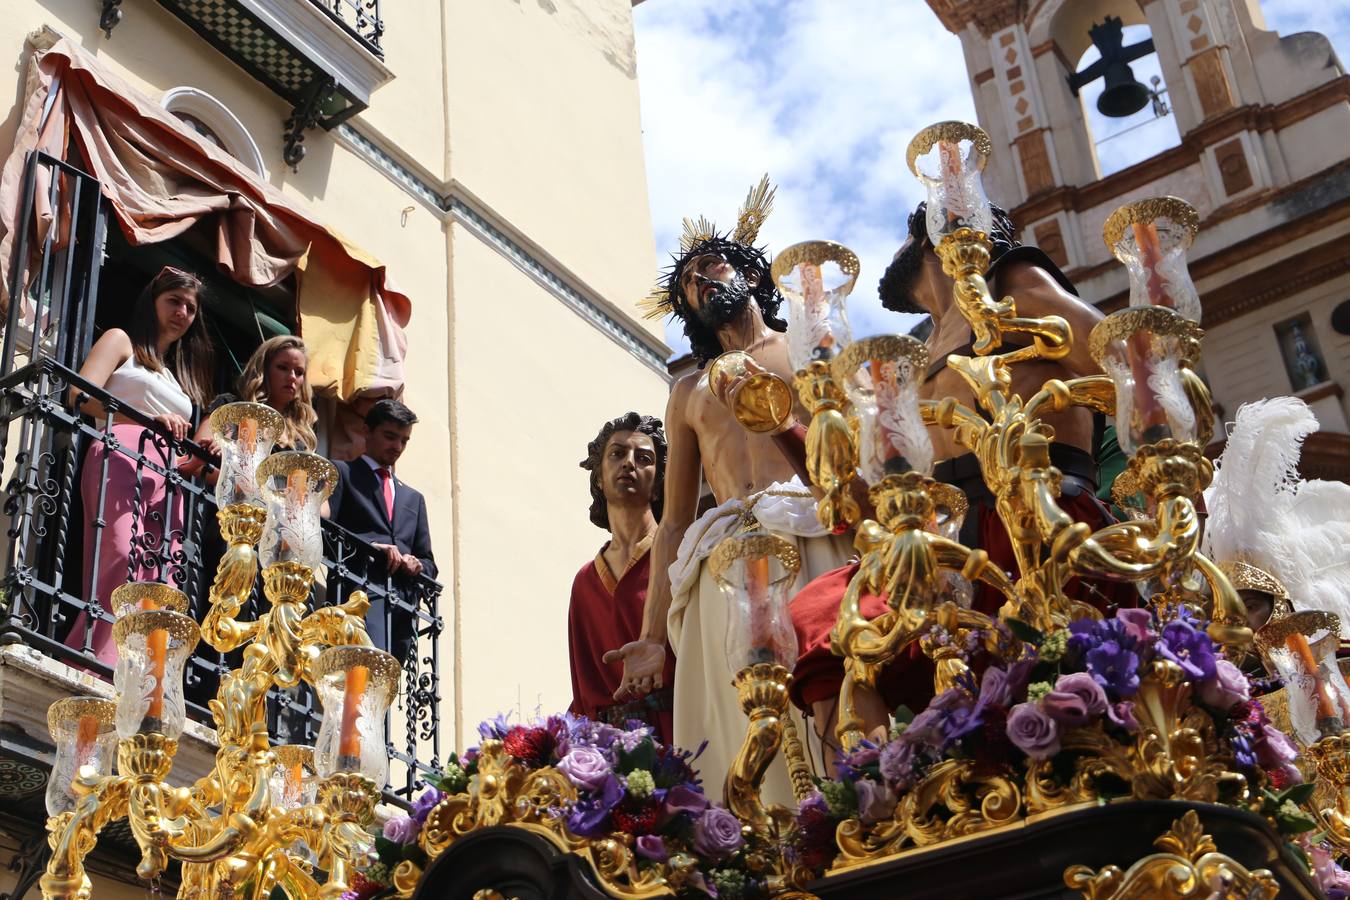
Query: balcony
x,y
323,57
49,596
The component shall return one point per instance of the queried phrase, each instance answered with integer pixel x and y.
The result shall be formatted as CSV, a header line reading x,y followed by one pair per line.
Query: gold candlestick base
x,y
762,689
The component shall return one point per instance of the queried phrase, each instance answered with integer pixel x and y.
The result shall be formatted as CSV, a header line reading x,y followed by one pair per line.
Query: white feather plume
x,y
1262,512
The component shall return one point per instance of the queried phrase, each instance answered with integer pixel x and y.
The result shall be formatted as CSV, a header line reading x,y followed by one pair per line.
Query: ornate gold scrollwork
x,y
1189,865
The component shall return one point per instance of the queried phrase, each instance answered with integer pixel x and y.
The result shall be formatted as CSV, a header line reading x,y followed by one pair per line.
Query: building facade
x,y
483,160
1257,114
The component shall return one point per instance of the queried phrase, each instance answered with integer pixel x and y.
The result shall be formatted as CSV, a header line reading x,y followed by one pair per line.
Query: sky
x,y
824,96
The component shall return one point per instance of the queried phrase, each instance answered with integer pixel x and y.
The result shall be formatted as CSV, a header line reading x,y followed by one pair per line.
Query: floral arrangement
x,y
627,783
1017,714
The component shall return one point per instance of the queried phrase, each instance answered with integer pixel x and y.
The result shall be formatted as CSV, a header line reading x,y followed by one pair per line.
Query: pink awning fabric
x,y
161,179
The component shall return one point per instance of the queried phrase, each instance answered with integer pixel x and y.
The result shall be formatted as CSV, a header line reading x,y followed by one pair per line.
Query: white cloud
x,y
824,95
821,101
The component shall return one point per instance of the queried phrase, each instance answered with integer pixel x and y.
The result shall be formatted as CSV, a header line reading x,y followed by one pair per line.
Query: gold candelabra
x,y
265,817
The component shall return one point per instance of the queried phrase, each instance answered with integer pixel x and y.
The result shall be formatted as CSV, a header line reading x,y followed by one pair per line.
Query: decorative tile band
x,y
635,342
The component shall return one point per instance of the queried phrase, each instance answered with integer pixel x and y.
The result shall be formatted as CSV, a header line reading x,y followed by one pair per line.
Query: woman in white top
x,y
160,366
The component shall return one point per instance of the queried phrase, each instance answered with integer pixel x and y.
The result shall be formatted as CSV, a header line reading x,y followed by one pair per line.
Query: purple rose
x,y
1227,688
875,801
1033,731
717,834
1274,748
1122,715
401,829
651,846
685,799
1000,686
424,804
1076,700
1189,648
585,767
588,817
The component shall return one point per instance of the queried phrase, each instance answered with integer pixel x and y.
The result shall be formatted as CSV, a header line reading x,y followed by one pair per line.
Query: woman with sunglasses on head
x,y
160,366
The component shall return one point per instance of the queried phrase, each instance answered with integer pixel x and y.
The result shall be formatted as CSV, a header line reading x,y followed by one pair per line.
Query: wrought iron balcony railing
x,y
359,18
54,539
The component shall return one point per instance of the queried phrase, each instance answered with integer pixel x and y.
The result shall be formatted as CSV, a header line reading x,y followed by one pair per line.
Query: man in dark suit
x,y
372,503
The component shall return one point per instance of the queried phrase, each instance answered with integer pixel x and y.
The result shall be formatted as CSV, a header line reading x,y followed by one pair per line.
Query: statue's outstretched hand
x,y
642,664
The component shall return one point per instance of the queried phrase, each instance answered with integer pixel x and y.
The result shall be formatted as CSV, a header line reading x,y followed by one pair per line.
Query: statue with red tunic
x,y
627,462
915,283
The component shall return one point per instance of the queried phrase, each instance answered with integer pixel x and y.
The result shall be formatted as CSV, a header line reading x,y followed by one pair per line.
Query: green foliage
x,y
643,756
1024,632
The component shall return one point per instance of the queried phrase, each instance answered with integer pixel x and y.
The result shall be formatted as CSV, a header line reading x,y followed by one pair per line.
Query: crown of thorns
x,y
756,208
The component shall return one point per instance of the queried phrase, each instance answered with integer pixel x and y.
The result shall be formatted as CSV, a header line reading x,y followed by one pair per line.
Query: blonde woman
x,y
276,375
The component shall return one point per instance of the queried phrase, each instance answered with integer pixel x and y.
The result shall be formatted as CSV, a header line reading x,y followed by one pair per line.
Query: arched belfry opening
x,y
1118,78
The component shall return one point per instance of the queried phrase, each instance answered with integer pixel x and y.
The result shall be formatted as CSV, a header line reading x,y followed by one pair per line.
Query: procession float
x,y
1159,749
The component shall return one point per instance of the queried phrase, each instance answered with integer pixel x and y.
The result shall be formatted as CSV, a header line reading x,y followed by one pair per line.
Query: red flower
x,y
531,746
362,888
638,821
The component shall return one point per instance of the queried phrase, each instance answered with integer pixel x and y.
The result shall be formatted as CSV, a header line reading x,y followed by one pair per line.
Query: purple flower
x,y
588,817
897,762
717,834
1000,687
424,804
401,829
1076,700
585,767
1274,747
875,801
1122,715
850,766
1138,623
651,846
1033,731
685,799
1189,648
1115,667
1227,688
494,729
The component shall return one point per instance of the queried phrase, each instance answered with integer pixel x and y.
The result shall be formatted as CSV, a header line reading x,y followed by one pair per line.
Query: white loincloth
x,y
706,706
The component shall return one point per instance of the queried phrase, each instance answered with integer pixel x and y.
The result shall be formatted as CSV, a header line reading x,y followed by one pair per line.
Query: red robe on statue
x,y
606,613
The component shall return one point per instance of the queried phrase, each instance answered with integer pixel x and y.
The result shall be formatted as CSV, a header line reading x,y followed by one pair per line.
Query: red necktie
x,y
388,480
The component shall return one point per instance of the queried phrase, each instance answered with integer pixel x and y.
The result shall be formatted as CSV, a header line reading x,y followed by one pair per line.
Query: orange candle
x,y
757,587
85,737
1150,257
157,648
892,462
949,159
813,293
1326,707
349,739
248,434
295,777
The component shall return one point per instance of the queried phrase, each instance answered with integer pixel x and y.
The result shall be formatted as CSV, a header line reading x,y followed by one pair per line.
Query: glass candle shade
x,y
754,572
294,485
759,399
1301,649
949,514
84,732
244,434
948,158
356,685
1144,349
881,376
1151,237
152,648
816,277
292,782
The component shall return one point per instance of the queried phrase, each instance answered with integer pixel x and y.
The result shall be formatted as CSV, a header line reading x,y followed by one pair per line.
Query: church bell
x,y
1123,95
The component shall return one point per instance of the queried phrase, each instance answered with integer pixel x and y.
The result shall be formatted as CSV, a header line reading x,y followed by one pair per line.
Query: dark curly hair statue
x,y
595,451
897,284
703,343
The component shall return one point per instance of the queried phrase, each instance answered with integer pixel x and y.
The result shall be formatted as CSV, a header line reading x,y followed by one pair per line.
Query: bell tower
x,y
1260,151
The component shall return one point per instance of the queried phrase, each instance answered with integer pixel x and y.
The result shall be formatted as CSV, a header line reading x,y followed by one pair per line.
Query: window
x,y
1302,357
213,120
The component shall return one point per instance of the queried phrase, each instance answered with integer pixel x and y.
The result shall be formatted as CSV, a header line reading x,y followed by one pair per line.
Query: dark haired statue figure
x,y
720,289
627,465
915,283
